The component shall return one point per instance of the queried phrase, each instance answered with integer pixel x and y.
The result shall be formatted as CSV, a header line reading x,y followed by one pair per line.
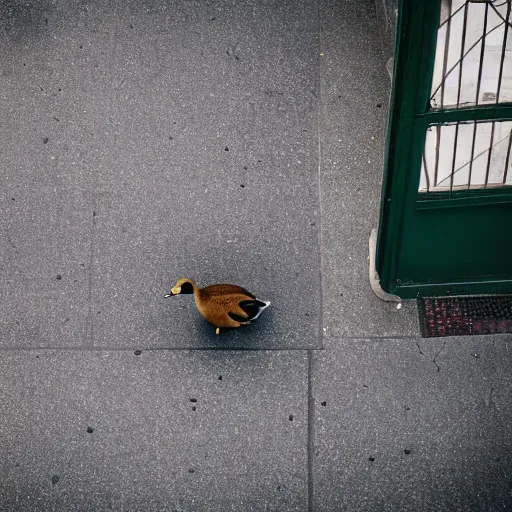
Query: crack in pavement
x,y
418,345
435,357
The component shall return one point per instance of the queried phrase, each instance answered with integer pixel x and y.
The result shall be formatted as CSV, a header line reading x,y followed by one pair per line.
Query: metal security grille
x,y
463,156
472,68
473,64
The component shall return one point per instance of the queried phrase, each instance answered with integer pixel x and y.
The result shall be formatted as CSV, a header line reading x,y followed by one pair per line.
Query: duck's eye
x,y
187,288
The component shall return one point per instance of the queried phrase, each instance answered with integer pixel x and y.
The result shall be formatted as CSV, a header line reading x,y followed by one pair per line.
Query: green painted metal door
x,y
446,212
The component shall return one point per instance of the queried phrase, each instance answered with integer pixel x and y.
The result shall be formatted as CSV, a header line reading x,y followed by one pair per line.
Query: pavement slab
x,y
355,90
163,430
183,135
45,243
413,425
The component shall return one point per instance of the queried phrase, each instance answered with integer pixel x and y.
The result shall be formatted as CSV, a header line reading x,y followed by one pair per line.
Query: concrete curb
x,y
374,276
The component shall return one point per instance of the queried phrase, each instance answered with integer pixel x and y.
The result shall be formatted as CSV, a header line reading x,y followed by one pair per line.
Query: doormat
x,y
464,316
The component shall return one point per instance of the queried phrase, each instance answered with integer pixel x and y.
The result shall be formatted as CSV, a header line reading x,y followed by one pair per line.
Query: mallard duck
x,y
223,305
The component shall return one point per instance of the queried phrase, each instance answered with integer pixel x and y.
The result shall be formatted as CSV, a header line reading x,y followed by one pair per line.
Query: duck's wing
x,y
252,308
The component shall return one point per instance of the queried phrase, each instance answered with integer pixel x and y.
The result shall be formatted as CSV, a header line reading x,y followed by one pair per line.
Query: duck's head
x,y
183,286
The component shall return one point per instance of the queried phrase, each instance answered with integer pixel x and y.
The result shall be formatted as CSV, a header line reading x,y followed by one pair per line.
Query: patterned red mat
x,y
464,316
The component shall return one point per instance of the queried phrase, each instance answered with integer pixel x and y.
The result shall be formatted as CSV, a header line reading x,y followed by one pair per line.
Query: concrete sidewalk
x,y
237,141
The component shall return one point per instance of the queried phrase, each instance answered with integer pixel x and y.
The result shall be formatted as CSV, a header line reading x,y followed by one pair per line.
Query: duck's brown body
x,y
223,305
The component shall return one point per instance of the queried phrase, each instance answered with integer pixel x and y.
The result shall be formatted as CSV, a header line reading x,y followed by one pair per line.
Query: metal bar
x,y
427,177
453,14
446,48
508,158
482,53
504,196
503,112
463,44
457,189
472,157
490,154
474,286
438,144
503,50
454,157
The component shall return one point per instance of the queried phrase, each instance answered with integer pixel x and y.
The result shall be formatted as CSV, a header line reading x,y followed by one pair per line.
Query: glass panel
x,y
465,156
473,64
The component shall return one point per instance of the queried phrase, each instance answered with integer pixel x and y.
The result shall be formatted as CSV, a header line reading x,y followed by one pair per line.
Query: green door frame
x,y
401,203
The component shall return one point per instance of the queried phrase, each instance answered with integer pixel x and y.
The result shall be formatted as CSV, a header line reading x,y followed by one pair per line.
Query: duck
x,y
223,305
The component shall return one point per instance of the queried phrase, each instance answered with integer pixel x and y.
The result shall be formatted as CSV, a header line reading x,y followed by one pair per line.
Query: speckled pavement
x,y
227,141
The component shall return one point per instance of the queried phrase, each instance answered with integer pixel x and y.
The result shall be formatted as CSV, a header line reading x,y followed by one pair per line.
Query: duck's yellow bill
x,y
174,291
